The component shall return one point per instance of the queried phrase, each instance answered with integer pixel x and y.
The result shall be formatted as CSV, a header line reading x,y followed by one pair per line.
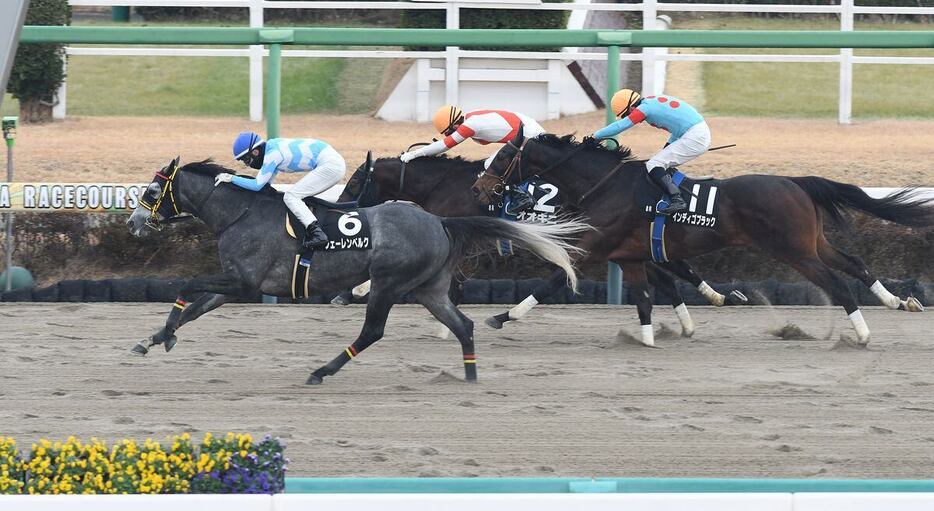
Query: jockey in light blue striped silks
x,y
690,135
324,165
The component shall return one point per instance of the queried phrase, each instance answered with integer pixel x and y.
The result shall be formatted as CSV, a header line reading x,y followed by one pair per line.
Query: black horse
x,y
442,186
779,215
411,251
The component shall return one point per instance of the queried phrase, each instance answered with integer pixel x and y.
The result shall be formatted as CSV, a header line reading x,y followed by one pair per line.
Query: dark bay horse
x,y
442,186
411,251
780,215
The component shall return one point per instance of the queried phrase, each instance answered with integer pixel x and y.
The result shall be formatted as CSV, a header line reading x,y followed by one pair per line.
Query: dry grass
x,y
128,149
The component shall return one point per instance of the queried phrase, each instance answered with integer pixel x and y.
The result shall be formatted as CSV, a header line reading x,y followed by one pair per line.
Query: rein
x,y
402,170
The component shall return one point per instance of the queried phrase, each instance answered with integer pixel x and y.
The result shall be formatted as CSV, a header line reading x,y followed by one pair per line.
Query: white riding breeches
x,y
329,171
694,142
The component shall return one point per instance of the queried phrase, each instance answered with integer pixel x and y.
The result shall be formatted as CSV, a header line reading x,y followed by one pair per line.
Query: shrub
x,y
39,69
490,19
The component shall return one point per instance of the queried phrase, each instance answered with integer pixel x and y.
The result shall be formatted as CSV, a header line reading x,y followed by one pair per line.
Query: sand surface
x,y
129,149
560,394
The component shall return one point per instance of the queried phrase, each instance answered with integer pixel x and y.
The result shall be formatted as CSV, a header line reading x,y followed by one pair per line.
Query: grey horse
x,y
412,251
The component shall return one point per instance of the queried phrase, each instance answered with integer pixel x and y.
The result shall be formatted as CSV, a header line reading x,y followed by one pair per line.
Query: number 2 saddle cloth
x,y
548,204
347,228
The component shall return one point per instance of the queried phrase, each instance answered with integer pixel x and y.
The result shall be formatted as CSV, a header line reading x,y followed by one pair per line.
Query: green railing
x,y
602,485
466,38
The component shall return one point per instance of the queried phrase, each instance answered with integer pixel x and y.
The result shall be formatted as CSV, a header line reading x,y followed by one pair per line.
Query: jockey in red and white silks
x,y
483,126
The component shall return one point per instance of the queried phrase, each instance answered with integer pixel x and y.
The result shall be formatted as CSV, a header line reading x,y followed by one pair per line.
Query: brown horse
x,y
442,186
779,215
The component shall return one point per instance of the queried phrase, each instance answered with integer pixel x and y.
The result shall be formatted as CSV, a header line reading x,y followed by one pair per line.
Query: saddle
x,y
703,207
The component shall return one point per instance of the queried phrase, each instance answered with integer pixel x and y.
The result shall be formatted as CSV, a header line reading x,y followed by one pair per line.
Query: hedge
x,y
229,464
39,69
481,291
490,19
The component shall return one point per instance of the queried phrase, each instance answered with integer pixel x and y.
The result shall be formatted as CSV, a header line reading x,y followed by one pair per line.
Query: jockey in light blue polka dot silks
x,y
690,136
324,165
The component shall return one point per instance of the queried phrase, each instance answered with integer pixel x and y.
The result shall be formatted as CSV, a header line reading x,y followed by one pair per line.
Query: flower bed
x,y
229,464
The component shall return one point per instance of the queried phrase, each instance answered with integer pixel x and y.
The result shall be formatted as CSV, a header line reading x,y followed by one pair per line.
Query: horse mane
x,y
569,142
208,168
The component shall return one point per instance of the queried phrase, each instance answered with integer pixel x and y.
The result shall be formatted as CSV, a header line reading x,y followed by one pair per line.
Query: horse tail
x,y
477,234
904,206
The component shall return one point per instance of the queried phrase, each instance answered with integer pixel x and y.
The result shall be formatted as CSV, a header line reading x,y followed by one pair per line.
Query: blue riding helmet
x,y
246,141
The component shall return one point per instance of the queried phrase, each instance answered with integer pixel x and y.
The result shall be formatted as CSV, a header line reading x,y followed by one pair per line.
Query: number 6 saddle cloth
x,y
346,226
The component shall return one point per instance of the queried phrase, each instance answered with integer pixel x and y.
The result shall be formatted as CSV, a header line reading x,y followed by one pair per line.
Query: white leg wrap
x,y
888,299
862,330
648,335
523,308
711,295
687,324
361,290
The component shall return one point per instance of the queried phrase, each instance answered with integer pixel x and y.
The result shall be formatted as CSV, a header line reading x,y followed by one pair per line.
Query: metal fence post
x,y
273,91
614,277
845,107
9,134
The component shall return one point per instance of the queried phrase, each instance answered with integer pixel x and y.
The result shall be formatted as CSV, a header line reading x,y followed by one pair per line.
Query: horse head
x,y
158,203
509,166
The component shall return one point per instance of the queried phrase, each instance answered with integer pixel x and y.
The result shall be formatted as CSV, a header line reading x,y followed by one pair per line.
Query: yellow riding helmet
x,y
623,101
447,118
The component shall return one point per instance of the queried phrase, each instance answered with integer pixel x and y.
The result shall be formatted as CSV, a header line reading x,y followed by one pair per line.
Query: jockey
x,y
324,165
690,136
484,127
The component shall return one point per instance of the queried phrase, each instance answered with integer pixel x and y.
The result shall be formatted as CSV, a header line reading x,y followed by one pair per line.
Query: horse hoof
x,y
913,305
139,350
314,380
170,343
493,322
340,300
687,334
737,298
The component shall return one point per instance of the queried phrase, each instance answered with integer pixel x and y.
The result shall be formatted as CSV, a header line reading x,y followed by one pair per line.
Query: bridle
x,y
167,190
516,163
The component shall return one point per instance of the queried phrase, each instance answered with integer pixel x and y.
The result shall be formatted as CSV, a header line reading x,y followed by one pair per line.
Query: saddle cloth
x,y
347,228
703,208
548,203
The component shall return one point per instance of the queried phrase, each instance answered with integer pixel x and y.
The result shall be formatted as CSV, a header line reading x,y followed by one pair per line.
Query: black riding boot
x,y
676,203
521,201
314,237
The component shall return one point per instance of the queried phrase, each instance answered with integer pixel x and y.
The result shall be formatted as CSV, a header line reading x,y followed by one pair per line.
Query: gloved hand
x,y
223,178
409,156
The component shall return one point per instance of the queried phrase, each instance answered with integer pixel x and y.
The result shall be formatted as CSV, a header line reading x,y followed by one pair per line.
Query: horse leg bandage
x,y
711,295
522,308
687,324
361,290
888,299
648,335
862,330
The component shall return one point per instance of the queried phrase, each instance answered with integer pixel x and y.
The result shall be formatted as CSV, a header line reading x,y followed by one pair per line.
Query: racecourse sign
x,y
70,197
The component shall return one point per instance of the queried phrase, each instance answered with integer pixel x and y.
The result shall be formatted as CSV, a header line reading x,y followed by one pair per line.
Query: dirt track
x,y
123,149
559,395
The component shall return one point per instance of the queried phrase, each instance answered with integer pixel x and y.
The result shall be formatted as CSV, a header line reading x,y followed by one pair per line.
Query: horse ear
x,y
369,162
175,162
520,136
